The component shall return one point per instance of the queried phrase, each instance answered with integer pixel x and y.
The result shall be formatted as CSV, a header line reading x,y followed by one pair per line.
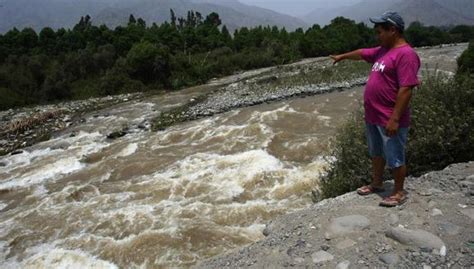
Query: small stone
x,y
425,193
346,243
321,256
449,228
419,238
300,243
393,219
426,266
343,265
116,134
426,250
436,212
469,212
347,224
61,145
324,247
16,152
389,258
443,251
299,260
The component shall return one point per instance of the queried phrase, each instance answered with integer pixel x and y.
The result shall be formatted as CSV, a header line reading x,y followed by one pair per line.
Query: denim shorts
x,y
392,149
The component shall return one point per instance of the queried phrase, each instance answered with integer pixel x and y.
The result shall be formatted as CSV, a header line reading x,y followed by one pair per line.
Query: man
x,y
386,102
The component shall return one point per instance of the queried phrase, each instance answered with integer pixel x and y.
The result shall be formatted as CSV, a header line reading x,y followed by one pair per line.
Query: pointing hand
x,y
336,58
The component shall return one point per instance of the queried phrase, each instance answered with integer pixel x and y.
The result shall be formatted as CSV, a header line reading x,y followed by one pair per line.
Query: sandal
x,y
369,189
393,200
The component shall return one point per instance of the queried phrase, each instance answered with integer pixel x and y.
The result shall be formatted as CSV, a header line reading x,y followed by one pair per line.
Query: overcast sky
x,y
297,7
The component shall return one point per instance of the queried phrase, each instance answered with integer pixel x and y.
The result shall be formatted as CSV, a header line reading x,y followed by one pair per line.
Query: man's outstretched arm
x,y
353,55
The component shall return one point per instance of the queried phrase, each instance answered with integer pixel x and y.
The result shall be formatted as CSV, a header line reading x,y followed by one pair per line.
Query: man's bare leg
x,y
399,176
378,165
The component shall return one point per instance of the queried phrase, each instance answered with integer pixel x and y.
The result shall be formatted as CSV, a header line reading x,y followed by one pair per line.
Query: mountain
x,y
429,12
298,8
359,12
66,13
463,7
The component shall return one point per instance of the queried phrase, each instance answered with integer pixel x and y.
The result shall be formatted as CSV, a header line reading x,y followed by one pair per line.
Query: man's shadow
x,y
388,188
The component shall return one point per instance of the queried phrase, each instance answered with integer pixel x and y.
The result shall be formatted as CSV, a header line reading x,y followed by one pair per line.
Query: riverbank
x,y
24,127
433,229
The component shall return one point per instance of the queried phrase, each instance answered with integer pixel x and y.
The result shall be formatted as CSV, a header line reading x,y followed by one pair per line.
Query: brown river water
x,y
168,199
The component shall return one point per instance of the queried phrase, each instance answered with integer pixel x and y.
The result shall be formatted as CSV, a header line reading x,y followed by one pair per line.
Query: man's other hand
x,y
392,127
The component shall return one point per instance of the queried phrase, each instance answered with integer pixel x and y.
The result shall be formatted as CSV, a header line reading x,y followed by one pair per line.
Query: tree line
x,y
89,60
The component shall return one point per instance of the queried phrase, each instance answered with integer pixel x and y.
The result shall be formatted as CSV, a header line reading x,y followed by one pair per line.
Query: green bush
x,y
9,98
466,61
441,133
351,165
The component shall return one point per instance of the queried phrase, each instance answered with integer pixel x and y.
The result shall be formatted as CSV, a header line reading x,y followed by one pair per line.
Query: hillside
x,y
66,13
429,12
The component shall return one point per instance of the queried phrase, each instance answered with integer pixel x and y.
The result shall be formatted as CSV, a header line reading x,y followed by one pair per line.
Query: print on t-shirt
x,y
378,67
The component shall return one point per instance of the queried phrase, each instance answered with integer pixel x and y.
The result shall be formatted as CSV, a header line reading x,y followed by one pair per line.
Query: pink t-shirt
x,y
393,68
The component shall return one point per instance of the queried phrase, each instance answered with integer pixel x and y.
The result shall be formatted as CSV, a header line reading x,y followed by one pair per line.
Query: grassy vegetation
x,y
317,74
441,133
273,81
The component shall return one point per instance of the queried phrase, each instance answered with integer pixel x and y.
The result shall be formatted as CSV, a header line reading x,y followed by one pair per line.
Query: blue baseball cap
x,y
390,17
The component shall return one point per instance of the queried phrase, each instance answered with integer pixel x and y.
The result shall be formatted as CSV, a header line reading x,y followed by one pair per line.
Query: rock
x,y
426,266
468,212
393,219
346,243
324,247
300,243
432,203
419,238
343,265
389,258
436,212
443,251
2,164
425,193
268,229
449,228
16,152
116,134
463,184
299,260
347,224
426,250
61,145
321,256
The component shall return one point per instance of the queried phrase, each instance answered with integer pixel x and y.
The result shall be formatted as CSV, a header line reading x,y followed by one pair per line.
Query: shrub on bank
x,y
441,133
